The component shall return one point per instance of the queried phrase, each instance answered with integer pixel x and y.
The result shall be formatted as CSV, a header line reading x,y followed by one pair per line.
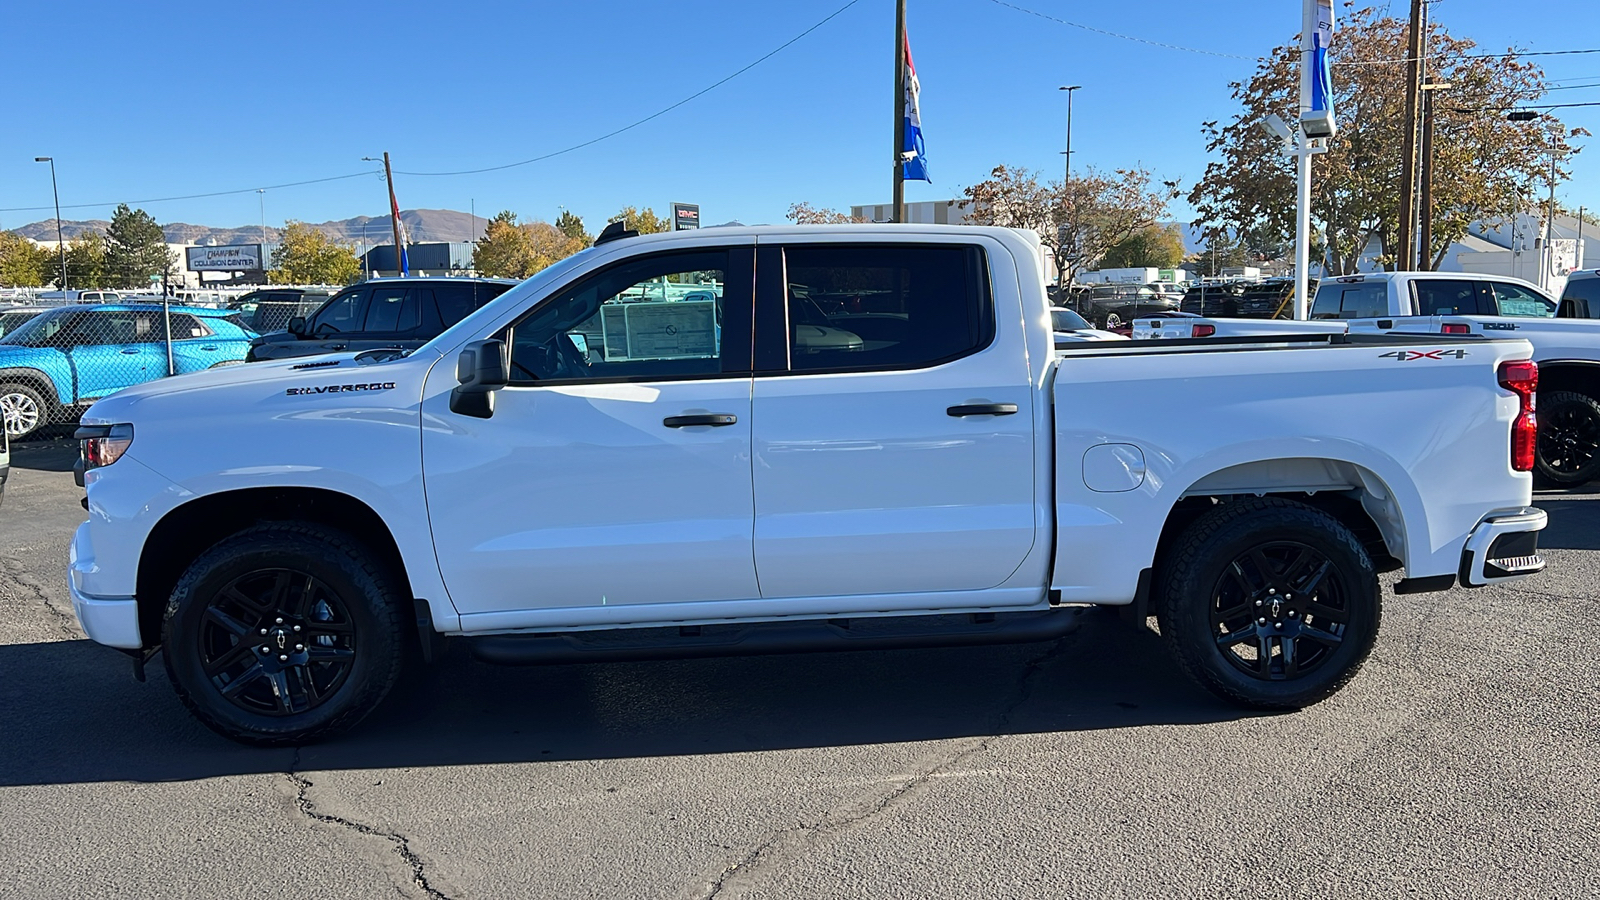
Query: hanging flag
x,y
400,229
914,159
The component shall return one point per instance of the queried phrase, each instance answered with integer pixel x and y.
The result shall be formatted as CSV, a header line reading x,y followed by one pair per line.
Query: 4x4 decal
x,y
1408,355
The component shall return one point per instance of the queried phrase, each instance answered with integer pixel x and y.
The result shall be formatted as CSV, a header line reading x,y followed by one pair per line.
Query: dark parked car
x,y
270,309
1216,299
1111,305
1272,299
1581,299
400,313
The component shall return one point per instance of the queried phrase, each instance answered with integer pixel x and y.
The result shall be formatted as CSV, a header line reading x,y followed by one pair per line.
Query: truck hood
x,y
16,354
298,372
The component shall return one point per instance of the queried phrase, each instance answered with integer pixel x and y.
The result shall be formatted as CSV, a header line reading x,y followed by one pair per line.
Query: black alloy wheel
x,y
1279,610
277,642
284,633
1568,443
1268,603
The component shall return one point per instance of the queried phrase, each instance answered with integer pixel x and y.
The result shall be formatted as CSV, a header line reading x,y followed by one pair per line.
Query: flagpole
x,y
394,213
899,212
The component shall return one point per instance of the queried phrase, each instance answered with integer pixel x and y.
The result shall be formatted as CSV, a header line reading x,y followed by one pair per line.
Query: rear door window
x,y
392,309
1352,300
1587,292
864,307
1512,300
1445,297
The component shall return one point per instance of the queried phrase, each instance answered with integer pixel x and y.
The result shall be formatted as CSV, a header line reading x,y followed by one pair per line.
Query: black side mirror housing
x,y
482,368
297,326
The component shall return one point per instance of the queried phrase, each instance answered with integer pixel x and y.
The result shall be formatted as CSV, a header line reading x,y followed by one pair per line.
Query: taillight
x,y
1204,330
1456,328
1521,377
102,445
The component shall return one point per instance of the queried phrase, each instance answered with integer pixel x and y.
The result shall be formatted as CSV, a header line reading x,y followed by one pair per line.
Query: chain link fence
x,y
56,360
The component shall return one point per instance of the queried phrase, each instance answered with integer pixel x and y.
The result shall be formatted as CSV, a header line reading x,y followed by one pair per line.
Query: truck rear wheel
x,y
283,634
1269,604
1569,439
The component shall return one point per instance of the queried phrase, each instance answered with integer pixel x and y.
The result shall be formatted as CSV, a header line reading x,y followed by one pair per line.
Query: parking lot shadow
x,y
73,714
45,455
1574,523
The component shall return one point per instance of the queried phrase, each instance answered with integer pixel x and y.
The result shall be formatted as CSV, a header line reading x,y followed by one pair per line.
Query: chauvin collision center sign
x,y
231,258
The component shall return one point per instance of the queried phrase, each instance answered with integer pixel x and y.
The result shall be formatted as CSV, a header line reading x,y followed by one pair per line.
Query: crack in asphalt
x,y
66,621
787,840
402,844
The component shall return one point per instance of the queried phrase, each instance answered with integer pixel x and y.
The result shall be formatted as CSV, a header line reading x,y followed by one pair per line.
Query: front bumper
x,y
113,621
1504,547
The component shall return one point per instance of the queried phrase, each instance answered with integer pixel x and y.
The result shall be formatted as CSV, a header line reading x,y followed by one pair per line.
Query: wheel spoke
x,y
304,598
1291,661
1264,566
1308,588
1243,608
317,653
280,691
232,655
1324,612
1264,655
232,688
251,604
227,622
1236,572
1321,636
280,590
1235,637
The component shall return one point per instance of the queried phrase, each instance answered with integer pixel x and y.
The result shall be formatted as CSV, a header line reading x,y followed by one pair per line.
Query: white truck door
x,y
894,426
615,469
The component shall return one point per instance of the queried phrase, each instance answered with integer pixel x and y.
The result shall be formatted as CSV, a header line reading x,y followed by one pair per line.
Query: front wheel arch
x,y
189,530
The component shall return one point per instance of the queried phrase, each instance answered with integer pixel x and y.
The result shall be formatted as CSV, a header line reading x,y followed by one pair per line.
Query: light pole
x,y
1069,88
61,244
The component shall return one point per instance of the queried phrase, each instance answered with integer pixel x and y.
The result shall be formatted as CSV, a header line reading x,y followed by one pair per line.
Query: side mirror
x,y
482,369
297,326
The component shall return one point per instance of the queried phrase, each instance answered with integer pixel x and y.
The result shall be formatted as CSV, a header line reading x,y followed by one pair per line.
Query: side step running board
x,y
812,636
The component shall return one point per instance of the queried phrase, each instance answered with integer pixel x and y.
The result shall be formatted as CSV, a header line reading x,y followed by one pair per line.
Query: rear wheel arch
x,y
188,531
1576,376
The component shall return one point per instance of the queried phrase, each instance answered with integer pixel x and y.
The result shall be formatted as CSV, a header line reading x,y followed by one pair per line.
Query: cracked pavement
x,y
1463,761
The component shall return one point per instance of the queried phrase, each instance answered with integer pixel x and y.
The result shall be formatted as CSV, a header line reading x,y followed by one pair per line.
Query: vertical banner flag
x,y
913,159
399,252
1317,40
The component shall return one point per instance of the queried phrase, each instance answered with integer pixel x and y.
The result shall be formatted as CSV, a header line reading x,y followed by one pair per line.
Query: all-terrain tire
x,y
1214,599
312,623
1567,450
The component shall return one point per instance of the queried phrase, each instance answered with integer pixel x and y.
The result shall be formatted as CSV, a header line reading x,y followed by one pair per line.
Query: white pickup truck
x,y
1567,349
575,473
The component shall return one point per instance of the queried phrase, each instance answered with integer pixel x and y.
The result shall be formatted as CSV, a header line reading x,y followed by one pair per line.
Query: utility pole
x,y
899,212
1425,211
1405,249
1550,224
394,212
61,244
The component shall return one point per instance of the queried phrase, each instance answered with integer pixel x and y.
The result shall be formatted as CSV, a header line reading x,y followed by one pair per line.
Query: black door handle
x,y
706,419
983,409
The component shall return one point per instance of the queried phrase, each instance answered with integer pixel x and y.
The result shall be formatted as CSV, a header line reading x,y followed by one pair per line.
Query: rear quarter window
x,y
1586,290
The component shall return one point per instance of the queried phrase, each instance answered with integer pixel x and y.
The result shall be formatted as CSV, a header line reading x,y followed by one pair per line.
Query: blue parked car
x,y
58,362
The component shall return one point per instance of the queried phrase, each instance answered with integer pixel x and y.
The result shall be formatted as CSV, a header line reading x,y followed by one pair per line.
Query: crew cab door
x,y
894,432
332,327
615,469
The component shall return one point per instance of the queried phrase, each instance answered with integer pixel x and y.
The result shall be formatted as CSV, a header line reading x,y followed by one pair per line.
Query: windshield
x,y
11,321
1067,320
38,331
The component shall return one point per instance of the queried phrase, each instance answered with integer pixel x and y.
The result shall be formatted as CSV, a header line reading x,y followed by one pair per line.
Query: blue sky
x,y
156,100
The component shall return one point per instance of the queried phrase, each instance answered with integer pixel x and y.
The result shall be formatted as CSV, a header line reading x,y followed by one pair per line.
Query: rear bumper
x,y
1504,547
113,621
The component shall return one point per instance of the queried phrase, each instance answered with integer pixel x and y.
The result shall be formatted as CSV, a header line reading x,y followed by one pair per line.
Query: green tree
x,y
572,226
644,221
135,249
86,263
505,250
305,255
1154,246
22,264
1484,167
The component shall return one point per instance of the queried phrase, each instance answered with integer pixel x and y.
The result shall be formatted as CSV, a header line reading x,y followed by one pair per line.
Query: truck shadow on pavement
x,y
1574,523
74,714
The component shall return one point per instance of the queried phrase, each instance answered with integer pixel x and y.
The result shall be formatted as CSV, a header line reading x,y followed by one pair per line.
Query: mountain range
x,y
421,225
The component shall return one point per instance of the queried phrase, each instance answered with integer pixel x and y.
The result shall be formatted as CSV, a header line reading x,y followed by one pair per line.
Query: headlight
x,y
103,445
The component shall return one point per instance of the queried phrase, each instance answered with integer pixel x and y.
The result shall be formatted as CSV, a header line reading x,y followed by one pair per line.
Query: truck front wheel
x,y
1269,604
283,634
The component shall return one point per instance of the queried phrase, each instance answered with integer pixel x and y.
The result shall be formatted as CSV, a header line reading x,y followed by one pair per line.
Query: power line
x,y
270,187
655,115
1124,37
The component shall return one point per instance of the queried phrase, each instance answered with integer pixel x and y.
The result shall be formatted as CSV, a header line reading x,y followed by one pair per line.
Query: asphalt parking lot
x,y
1463,761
